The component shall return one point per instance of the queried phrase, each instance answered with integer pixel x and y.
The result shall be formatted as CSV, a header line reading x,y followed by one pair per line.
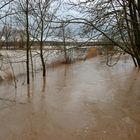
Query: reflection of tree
x,y
31,89
43,85
64,76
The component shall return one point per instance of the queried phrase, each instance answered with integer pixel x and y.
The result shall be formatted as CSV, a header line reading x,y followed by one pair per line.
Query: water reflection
x,y
43,84
82,101
31,88
28,91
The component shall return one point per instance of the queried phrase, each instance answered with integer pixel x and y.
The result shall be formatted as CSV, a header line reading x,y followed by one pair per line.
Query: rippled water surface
x,y
83,101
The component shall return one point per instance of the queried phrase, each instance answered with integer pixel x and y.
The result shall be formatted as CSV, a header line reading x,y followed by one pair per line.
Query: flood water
x,y
82,101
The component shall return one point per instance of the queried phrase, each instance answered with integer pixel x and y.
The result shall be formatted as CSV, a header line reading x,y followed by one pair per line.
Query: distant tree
x,y
65,33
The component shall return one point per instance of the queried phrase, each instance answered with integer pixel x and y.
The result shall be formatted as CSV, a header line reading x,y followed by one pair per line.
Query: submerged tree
x,y
27,41
43,12
22,10
63,34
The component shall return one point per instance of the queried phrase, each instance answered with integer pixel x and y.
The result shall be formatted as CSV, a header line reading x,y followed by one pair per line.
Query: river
x,y
86,100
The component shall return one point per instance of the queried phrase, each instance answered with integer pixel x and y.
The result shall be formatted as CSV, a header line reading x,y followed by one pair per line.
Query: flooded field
x,y
82,101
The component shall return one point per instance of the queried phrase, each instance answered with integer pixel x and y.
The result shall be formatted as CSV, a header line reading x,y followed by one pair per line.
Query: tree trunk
x,y
27,44
135,62
41,48
64,43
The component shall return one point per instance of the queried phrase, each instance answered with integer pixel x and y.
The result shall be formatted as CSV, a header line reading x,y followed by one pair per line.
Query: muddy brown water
x,y
83,101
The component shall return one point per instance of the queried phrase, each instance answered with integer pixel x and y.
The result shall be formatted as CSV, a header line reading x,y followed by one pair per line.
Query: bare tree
x,y
43,12
27,41
117,20
22,19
